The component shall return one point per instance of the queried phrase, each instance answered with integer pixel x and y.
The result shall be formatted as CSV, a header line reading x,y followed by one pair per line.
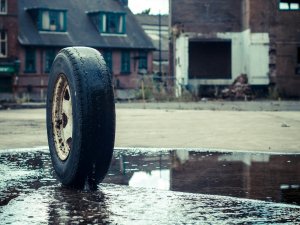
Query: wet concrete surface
x,y
155,187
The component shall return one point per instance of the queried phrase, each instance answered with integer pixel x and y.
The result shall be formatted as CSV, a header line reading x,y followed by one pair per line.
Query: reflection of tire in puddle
x,y
69,206
80,116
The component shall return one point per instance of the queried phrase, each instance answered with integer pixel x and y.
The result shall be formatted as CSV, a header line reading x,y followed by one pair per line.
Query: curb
x,y
8,106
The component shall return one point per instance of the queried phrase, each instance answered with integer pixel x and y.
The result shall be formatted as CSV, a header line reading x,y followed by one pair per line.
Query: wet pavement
x,y
155,187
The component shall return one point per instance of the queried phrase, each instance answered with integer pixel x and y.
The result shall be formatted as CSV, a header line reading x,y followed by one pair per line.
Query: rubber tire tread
x,y
93,109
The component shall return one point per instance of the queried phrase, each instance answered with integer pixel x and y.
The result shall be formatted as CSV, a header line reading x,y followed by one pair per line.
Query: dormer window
x,y
113,23
52,20
109,22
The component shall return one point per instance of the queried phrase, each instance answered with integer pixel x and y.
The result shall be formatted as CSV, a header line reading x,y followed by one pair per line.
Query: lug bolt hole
x,y
64,120
67,95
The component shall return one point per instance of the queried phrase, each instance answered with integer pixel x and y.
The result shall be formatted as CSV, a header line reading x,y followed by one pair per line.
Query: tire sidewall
x,y
65,169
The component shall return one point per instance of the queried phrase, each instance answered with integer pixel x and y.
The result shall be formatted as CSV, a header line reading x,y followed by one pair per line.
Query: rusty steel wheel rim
x,y
62,117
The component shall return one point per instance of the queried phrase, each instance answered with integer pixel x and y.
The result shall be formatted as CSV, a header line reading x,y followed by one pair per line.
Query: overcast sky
x,y
137,6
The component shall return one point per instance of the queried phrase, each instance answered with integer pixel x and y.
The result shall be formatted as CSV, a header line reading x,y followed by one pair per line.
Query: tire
x,y
80,117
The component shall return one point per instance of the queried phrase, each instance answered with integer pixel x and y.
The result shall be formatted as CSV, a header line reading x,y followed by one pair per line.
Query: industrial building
x,y
215,41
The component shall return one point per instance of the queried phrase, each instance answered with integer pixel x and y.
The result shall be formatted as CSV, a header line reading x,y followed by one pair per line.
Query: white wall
x,y
249,55
259,59
181,62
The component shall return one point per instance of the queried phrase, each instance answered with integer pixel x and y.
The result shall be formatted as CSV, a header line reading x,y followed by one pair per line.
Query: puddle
x,y
247,175
151,187
258,176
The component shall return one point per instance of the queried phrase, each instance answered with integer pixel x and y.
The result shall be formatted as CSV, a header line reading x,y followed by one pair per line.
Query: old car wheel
x,y
80,116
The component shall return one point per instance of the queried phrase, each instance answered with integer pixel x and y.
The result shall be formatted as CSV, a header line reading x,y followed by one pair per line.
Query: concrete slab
x,y
272,131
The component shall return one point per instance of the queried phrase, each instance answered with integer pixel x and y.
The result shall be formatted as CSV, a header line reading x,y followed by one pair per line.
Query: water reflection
x,y
30,194
247,175
159,179
140,169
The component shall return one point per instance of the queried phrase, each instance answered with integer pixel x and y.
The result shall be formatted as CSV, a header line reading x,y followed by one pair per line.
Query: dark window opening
x,y
289,4
210,59
143,60
6,84
3,7
297,69
108,59
3,43
49,58
125,62
52,20
113,23
30,61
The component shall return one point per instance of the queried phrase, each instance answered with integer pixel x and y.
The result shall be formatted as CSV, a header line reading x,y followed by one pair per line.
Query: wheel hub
x,y
62,117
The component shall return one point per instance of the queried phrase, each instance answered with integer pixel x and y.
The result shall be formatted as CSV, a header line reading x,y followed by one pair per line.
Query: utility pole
x,y
159,48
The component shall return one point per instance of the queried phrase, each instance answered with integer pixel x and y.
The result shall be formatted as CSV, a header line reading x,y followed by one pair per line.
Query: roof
x,y
145,19
80,29
150,24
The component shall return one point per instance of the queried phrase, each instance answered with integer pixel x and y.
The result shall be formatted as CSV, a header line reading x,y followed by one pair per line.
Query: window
x,y
52,20
49,57
3,7
30,61
143,60
125,62
205,55
113,23
3,44
108,59
289,4
297,70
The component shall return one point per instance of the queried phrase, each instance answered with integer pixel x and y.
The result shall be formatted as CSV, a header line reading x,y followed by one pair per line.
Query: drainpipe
x,y
16,81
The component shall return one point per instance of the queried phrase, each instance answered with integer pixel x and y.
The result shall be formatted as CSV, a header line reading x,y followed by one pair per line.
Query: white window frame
x,y
3,12
5,45
289,6
46,18
107,17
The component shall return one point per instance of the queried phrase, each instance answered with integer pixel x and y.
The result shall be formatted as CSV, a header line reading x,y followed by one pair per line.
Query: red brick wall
x,y
128,80
124,80
39,62
287,81
262,15
278,176
9,22
287,34
203,16
39,79
35,83
284,33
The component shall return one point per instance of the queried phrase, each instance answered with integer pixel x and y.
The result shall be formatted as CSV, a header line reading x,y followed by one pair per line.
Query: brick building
x,y
37,29
243,175
214,41
9,62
